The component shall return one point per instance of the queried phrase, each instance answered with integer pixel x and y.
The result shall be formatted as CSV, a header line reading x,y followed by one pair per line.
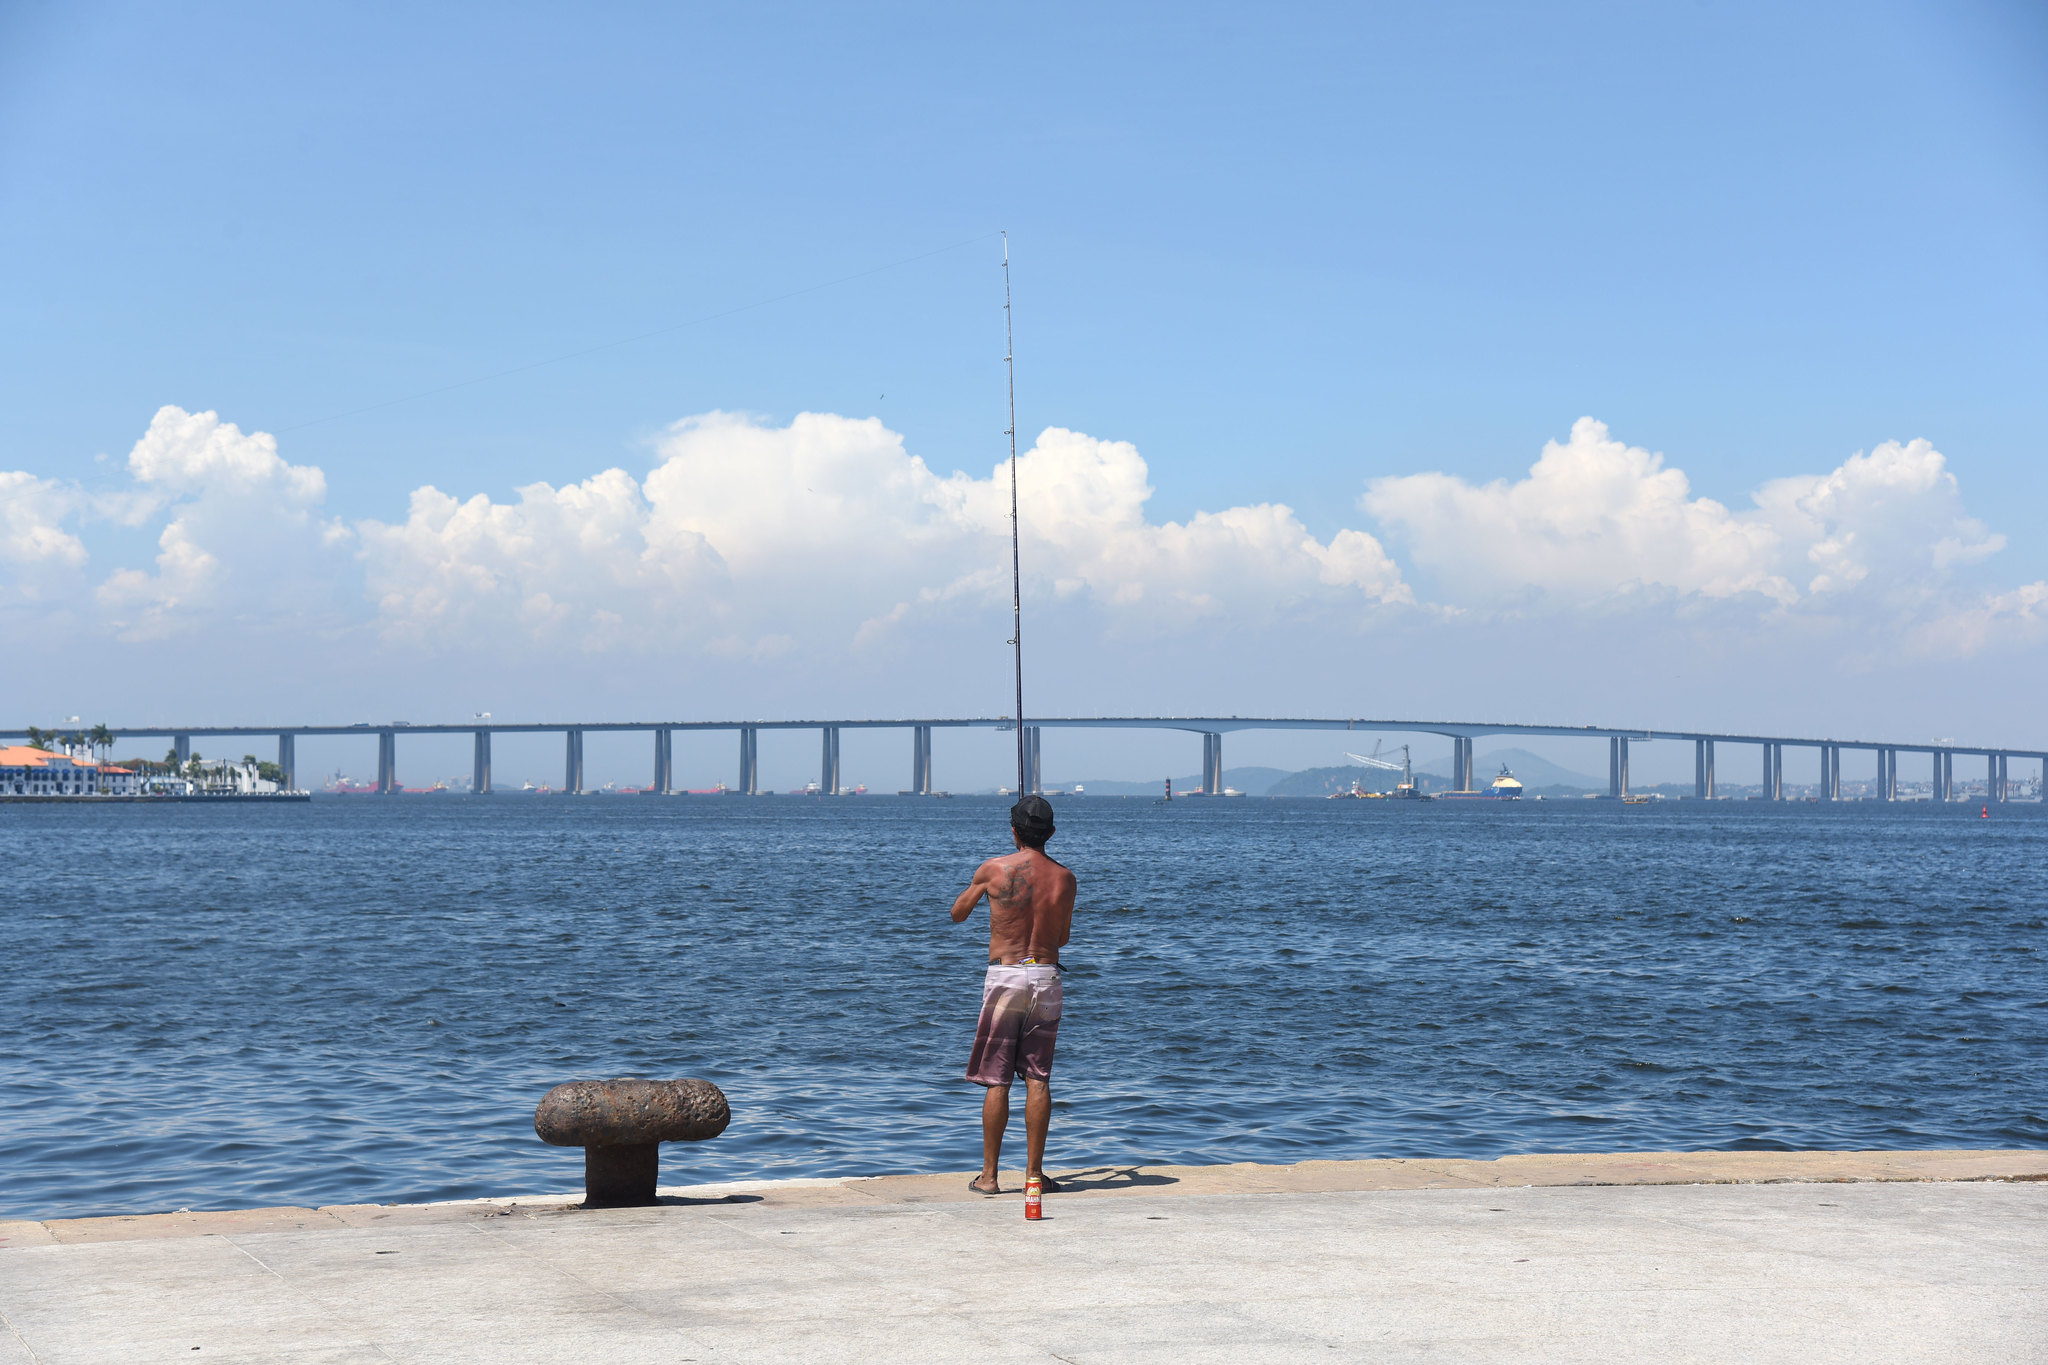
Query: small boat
x,y
1504,788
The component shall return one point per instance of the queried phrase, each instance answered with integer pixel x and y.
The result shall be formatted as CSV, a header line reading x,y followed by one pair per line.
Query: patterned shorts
x,y
1020,1021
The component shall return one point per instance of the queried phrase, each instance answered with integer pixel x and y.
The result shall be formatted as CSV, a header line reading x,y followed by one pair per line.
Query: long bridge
x,y
1771,748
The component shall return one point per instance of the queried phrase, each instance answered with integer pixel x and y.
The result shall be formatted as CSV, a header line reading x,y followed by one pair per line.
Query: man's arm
x,y
964,903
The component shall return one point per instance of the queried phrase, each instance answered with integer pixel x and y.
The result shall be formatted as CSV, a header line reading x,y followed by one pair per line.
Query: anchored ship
x,y
1504,788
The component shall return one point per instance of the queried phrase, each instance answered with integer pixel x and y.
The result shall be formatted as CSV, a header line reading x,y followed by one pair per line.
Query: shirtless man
x,y
1030,910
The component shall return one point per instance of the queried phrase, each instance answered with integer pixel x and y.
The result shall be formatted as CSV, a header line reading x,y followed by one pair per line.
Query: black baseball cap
x,y
1032,816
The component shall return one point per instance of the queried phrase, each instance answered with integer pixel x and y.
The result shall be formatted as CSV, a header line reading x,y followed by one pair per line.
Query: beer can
x,y
1034,1198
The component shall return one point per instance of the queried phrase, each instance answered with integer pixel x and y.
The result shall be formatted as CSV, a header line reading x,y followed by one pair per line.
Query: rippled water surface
x,y
361,999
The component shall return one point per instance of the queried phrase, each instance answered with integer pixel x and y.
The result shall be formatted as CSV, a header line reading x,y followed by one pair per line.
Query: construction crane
x,y
1373,760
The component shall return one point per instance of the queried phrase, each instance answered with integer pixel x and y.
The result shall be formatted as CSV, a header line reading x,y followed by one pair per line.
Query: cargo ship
x,y
1504,788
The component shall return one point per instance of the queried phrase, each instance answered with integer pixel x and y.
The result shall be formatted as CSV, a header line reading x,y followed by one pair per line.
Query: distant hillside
x,y
1250,781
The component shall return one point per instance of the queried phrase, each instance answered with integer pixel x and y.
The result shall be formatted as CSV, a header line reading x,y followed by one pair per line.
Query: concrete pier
x,y
387,762
828,773
1212,763
572,761
1461,763
1703,769
288,762
750,768
480,764
1617,766
664,780
1807,1257
1035,778
181,749
921,760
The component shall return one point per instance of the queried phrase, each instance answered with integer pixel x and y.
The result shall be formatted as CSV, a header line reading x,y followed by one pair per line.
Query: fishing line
x,y
641,336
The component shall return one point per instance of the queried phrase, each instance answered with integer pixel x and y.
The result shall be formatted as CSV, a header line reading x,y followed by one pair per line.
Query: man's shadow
x,y
1112,1178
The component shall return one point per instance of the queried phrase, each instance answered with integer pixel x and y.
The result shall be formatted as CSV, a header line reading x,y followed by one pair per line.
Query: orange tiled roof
x,y
21,756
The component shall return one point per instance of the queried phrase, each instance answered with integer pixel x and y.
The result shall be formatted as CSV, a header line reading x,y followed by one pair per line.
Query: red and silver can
x,y
1034,1199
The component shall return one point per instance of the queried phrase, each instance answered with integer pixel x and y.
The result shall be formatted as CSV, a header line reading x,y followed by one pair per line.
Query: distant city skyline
x,y
1573,366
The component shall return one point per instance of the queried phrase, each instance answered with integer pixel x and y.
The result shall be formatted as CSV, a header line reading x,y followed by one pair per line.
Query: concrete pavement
x,y
1807,1257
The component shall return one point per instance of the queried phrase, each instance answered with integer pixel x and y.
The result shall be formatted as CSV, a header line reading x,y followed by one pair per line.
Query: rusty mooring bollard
x,y
620,1124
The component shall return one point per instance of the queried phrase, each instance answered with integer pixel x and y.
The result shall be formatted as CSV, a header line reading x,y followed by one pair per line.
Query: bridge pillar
x,y
387,762
1703,769
664,766
750,775
480,764
1461,762
1035,777
828,768
181,745
1617,765
1212,763
287,762
572,762
921,760
1991,779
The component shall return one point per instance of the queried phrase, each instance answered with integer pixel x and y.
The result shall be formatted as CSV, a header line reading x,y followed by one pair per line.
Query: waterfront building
x,y
44,772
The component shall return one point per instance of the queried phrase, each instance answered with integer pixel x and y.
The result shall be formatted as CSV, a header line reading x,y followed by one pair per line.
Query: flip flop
x,y
1047,1185
975,1185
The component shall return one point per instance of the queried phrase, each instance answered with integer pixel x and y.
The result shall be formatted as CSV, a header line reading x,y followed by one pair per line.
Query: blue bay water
x,y
361,999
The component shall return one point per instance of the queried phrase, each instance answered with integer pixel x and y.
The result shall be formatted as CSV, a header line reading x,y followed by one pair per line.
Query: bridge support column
x,y
1703,769
750,775
1461,762
921,760
1617,766
664,763
287,762
387,762
828,767
1034,777
1212,763
1991,779
572,762
181,745
1831,772
480,765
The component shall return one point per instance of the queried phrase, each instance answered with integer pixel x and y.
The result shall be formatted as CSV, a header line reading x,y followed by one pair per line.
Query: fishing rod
x,y
1016,572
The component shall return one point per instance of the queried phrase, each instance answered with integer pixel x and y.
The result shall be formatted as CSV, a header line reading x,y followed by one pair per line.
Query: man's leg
x,y
1037,1118
995,1117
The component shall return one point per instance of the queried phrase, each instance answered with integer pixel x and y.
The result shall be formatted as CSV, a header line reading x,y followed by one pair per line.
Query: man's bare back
x,y
1030,906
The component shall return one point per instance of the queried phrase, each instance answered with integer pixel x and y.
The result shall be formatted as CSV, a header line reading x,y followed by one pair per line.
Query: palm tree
x,y
35,738
102,739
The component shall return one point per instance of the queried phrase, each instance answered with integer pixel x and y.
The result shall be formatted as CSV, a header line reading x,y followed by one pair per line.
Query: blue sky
x,y
1278,254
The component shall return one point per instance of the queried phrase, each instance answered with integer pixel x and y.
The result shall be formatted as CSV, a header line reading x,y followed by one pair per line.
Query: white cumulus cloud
x,y
748,535
32,516
244,537
1596,519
